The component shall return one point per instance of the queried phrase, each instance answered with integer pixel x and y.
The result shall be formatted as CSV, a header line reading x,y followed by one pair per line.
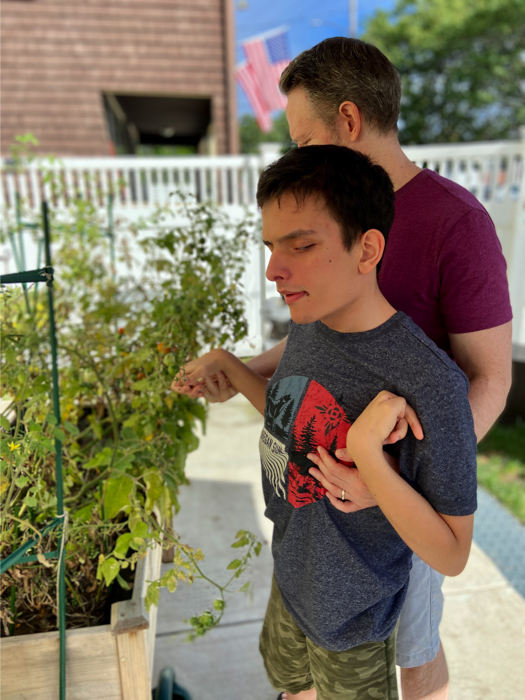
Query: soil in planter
x,y
28,591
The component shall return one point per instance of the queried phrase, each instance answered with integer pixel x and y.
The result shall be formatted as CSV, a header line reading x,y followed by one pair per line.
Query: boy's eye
x,y
306,247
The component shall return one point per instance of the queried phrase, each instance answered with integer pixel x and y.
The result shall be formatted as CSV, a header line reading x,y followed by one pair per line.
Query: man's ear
x,y
372,249
350,120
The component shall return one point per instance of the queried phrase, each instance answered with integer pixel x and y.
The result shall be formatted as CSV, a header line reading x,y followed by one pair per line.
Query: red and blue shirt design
x,y
300,416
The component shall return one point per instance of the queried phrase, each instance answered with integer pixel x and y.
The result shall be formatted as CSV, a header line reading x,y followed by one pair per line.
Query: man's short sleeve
x,y
442,467
474,291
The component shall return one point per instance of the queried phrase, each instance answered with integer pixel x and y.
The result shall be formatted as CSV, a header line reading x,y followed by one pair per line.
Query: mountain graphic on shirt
x,y
302,415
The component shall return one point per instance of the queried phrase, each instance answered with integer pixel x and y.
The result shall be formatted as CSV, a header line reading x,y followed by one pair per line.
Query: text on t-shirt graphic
x,y
274,460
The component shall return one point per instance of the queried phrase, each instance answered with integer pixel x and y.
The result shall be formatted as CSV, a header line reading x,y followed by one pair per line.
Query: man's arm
x,y
236,373
266,363
486,358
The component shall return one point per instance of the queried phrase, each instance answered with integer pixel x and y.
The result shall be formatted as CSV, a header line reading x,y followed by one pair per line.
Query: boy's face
x,y
318,278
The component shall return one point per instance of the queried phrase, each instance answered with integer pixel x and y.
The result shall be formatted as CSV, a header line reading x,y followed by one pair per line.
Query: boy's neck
x,y
365,313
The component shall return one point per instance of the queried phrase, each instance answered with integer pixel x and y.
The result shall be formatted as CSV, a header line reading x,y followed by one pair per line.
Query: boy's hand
x,y
384,421
336,477
204,377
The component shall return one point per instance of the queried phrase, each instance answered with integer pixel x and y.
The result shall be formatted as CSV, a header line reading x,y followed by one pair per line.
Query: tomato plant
x,y
122,334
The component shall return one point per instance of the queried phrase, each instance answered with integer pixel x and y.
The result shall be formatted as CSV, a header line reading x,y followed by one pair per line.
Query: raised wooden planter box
x,y
109,662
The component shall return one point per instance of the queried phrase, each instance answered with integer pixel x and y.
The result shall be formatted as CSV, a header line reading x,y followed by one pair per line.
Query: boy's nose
x,y
275,270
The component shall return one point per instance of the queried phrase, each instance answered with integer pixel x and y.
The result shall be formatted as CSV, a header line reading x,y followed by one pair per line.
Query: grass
x,y
501,466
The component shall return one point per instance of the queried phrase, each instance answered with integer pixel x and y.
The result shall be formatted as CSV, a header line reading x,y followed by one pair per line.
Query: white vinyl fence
x,y
492,171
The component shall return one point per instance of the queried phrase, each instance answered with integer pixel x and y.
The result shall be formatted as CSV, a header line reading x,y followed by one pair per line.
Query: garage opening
x,y
158,125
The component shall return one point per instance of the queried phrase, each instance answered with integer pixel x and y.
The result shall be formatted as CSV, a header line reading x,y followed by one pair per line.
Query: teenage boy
x,y
341,578
443,267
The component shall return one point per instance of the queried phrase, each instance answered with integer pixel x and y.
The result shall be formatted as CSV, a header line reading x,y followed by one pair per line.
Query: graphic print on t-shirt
x,y
296,423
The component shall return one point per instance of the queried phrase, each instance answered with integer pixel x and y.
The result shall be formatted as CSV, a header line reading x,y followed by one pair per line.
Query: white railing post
x,y
269,152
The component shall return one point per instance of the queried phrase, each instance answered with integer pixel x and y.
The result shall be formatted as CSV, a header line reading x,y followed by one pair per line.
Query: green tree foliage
x,y
462,65
252,136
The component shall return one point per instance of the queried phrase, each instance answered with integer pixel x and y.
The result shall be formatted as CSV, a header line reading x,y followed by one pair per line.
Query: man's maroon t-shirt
x,y
443,265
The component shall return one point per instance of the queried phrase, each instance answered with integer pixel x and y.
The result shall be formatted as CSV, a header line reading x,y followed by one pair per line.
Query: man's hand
x,y
336,477
204,377
392,416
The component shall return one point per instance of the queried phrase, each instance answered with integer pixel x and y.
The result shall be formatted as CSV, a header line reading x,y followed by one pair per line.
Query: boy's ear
x,y
372,248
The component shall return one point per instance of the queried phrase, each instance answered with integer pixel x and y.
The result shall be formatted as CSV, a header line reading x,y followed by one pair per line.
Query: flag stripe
x,y
266,58
245,78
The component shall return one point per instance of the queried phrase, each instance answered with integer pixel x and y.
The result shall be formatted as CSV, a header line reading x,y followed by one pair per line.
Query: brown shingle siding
x,y
59,57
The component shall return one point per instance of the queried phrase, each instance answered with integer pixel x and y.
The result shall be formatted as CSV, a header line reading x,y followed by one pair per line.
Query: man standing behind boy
x,y
443,267
340,579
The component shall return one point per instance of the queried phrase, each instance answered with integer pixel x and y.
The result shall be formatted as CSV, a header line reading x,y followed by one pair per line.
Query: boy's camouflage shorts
x,y
294,663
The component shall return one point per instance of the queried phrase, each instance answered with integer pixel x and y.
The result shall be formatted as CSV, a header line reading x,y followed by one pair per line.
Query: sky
x,y
308,22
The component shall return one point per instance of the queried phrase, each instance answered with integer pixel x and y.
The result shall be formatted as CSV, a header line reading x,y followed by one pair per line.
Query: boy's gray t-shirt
x,y
343,576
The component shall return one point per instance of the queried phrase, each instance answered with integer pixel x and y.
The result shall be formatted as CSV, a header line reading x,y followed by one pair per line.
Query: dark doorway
x,y
136,122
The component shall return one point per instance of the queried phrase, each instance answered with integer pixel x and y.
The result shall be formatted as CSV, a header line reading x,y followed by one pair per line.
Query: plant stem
x,y
74,593
12,479
111,410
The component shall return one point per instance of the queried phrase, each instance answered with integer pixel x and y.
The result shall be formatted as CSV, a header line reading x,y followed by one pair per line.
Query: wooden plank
x,y
133,663
30,666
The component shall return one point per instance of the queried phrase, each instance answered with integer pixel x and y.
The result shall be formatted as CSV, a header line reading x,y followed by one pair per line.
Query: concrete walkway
x,y
483,629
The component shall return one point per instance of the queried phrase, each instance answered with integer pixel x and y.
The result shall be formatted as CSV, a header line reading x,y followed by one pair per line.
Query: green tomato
x,y
169,361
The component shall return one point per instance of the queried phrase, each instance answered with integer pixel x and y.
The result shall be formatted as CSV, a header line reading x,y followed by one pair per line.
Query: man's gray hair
x,y
339,70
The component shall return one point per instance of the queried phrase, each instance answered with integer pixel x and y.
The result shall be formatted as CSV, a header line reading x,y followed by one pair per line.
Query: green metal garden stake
x,y
58,450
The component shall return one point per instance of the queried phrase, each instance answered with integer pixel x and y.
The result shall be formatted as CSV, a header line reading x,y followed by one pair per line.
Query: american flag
x,y
267,55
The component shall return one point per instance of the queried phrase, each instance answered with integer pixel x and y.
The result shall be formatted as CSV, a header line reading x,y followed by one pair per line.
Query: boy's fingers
x,y
178,386
414,423
399,432
200,377
193,392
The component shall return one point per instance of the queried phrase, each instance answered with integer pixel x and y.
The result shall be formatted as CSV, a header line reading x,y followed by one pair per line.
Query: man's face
x,y
318,278
306,129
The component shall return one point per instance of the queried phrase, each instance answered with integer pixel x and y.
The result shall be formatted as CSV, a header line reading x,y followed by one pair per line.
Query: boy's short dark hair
x,y
357,194
341,69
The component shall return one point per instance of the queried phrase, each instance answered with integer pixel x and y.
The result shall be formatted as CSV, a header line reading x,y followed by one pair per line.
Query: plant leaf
x,y
117,495
109,569
71,428
122,545
234,564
